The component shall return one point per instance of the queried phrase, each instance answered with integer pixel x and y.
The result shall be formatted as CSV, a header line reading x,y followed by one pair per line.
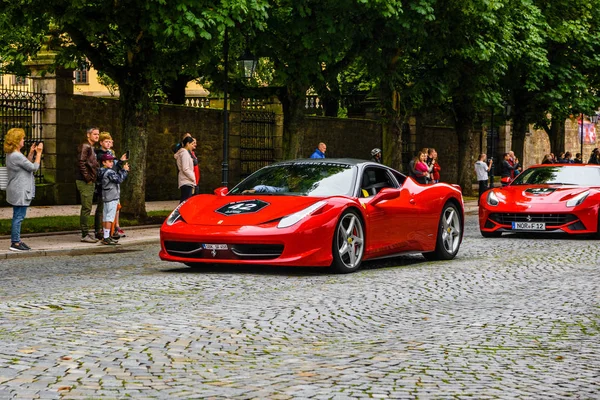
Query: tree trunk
x,y
330,96
557,135
293,101
392,143
464,114
175,90
519,131
135,108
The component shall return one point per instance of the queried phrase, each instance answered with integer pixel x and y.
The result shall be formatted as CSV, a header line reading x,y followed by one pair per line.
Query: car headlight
x,y
577,200
492,199
300,215
175,215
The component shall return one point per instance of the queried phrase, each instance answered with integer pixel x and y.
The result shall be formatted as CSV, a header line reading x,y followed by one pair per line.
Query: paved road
x,y
509,318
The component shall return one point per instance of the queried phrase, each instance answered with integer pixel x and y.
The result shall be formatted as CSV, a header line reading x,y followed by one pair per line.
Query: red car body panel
x,y
407,223
522,201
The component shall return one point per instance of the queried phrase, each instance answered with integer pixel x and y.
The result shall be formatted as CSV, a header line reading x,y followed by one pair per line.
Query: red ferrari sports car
x,y
544,198
316,212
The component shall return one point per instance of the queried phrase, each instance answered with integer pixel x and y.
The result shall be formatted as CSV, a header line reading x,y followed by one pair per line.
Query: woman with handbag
x,y
20,189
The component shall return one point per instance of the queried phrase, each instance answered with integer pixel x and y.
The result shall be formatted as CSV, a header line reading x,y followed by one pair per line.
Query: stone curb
x,y
39,234
94,249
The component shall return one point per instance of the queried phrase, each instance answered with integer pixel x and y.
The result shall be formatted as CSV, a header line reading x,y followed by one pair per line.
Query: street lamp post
x,y
248,65
225,164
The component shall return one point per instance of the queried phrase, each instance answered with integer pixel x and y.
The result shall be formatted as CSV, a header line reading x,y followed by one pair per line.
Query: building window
x,y
81,75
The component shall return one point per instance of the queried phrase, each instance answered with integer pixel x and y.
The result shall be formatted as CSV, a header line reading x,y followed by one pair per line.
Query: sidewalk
x,y
68,243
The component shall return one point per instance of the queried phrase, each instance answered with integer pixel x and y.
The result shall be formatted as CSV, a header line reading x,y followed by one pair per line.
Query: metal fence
x,y
21,106
257,140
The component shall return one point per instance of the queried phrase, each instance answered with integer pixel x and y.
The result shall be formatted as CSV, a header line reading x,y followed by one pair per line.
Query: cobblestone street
x,y
508,318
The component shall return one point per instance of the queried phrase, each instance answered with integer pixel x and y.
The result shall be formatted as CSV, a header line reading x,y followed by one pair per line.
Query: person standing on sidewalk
x,y
481,169
110,181
21,182
86,172
320,151
185,164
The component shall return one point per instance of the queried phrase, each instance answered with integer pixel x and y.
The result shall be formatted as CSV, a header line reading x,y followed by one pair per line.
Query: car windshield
x,y
301,179
559,175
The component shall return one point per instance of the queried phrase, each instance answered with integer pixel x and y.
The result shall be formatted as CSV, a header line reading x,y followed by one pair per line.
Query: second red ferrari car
x,y
544,198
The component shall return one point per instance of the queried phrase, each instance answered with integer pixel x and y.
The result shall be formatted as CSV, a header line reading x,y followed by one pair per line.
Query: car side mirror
x,y
385,194
221,191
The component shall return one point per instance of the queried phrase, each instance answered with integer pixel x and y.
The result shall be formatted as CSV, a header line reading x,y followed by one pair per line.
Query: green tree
x,y
136,43
309,43
468,50
547,92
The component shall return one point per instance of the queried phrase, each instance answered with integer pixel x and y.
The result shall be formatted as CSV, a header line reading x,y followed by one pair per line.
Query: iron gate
x,y
20,107
257,148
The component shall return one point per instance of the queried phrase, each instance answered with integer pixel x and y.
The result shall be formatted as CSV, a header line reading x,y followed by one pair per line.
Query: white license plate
x,y
529,226
215,246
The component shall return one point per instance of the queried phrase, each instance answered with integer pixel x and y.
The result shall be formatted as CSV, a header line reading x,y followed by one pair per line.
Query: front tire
x,y
348,243
449,235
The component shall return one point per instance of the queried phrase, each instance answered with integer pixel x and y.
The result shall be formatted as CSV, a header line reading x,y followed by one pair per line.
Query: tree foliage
x,y
136,43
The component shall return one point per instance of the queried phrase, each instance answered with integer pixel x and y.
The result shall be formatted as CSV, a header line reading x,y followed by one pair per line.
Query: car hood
x,y
241,210
537,194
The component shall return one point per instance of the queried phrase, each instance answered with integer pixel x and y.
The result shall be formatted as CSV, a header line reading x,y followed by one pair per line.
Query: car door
x,y
390,222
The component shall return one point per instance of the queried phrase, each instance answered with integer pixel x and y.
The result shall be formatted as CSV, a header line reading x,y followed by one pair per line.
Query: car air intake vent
x,y
550,219
182,247
257,251
577,226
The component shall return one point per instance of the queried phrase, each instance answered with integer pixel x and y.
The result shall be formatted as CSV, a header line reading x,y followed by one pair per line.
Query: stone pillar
x,y
273,105
57,117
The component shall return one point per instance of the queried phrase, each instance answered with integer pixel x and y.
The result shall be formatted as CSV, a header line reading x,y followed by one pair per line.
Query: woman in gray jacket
x,y
21,183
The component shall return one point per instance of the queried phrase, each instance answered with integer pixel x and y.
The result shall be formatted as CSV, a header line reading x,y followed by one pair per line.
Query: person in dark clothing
x,y
85,179
376,155
506,170
547,159
578,159
595,157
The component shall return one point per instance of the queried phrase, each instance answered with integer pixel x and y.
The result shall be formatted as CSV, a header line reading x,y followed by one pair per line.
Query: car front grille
x,y
196,250
550,219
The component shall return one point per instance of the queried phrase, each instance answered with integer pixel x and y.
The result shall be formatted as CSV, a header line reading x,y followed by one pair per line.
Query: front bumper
x,y
557,218
266,245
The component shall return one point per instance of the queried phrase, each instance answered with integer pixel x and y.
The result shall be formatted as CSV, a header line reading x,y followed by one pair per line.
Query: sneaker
x,y
24,245
109,242
18,247
89,239
121,231
99,235
116,235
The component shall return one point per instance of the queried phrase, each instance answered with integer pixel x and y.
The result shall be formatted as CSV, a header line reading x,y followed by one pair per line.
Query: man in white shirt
x,y
481,169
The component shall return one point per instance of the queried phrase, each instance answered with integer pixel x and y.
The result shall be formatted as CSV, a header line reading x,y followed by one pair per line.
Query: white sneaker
x,y
89,239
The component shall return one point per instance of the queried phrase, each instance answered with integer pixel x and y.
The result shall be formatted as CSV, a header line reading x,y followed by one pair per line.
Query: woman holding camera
x,y
21,182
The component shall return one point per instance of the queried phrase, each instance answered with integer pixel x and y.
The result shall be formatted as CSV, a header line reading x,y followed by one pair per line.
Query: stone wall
x,y
345,138
443,139
165,129
537,143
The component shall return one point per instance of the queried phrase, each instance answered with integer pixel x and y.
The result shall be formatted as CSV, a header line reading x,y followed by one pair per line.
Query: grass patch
x,y
71,223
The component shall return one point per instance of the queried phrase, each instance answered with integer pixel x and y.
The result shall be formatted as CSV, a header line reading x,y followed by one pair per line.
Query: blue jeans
x,y
19,213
